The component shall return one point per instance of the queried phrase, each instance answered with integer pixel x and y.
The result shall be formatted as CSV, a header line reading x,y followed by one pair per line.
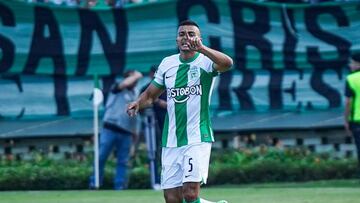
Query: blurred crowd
x,y
120,3
90,3
306,1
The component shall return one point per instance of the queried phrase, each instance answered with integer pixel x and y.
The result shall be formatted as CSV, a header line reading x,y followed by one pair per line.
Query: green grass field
x,y
340,191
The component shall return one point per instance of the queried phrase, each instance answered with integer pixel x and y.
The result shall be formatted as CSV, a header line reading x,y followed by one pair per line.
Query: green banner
x,y
287,56
37,39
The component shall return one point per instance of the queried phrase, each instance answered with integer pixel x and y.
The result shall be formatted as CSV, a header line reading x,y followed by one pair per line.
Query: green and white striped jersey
x,y
188,85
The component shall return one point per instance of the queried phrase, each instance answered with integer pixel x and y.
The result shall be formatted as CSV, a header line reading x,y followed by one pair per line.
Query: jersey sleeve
x,y
158,80
209,66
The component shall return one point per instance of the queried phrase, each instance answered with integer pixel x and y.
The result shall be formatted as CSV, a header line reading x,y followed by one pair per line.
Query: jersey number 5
x,y
191,165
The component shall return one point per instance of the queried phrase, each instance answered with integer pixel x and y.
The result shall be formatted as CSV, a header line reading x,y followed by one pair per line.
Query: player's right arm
x,y
145,99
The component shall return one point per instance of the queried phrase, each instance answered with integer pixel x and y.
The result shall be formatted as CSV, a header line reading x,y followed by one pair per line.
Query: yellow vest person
x,y
352,103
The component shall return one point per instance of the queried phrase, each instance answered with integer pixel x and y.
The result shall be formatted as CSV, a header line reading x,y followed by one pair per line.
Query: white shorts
x,y
189,163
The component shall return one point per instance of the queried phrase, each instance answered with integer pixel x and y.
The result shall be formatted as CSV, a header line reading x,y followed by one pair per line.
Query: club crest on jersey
x,y
182,94
194,73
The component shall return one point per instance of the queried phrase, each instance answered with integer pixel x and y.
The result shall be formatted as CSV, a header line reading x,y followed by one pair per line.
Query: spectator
x,y
90,3
99,4
352,103
157,112
159,105
57,2
118,128
121,3
117,3
73,3
38,1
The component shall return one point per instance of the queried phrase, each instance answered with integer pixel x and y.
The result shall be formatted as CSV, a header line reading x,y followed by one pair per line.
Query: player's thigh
x,y
171,172
196,163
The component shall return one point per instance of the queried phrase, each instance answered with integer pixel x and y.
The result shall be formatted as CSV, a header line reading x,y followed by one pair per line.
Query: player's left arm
x,y
222,62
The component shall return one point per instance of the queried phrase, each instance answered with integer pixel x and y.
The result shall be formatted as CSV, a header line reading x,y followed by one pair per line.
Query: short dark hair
x,y
188,22
355,57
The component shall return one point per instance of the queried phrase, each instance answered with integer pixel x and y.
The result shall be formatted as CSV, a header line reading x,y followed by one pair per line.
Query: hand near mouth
x,y
195,43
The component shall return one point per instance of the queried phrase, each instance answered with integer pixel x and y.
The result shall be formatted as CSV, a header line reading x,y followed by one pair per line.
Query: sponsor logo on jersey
x,y
182,94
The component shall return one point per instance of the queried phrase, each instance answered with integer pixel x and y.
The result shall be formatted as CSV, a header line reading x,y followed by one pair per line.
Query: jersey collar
x,y
190,59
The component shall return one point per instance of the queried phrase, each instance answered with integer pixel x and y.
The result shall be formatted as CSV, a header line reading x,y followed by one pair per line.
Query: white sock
x,y
205,201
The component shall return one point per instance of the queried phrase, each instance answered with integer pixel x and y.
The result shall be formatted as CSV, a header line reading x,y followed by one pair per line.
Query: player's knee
x,y
190,195
172,198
